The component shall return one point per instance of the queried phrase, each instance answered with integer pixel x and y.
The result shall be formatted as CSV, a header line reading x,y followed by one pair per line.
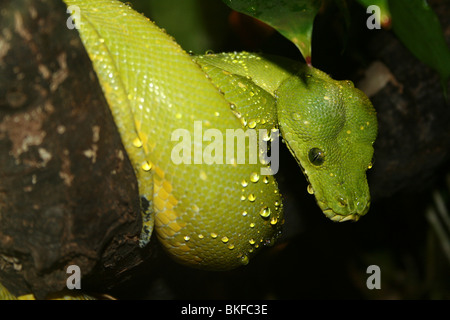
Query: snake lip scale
x,y
340,218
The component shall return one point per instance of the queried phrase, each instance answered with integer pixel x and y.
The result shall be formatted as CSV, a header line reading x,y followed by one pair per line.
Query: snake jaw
x,y
338,217
352,217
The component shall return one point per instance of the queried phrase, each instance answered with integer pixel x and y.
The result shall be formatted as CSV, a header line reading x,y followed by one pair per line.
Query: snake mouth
x,y
330,214
345,214
351,214
348,211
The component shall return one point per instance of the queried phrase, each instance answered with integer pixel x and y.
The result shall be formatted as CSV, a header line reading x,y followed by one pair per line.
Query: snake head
x,y
329,126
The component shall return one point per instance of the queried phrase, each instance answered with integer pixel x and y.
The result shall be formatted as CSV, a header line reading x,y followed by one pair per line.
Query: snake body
x,y
216,216
172,110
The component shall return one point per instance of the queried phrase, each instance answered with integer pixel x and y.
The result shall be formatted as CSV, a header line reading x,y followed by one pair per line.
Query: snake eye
x,y
316,156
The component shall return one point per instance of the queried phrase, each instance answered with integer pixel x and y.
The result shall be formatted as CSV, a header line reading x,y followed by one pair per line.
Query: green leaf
x,y
292,18
418,27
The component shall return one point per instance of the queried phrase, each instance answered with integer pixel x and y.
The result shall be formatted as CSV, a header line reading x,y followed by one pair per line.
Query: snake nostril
x,y
342,202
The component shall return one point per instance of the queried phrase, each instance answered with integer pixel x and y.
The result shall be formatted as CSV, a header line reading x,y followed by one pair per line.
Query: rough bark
x,y
68,194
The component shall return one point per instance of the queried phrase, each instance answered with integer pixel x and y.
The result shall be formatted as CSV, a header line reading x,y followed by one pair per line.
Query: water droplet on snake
x,y
254,177
146,166
296,116
244,259
265,212
137,142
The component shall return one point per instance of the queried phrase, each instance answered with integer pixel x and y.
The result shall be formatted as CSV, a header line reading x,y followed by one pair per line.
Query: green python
x,y
217,216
